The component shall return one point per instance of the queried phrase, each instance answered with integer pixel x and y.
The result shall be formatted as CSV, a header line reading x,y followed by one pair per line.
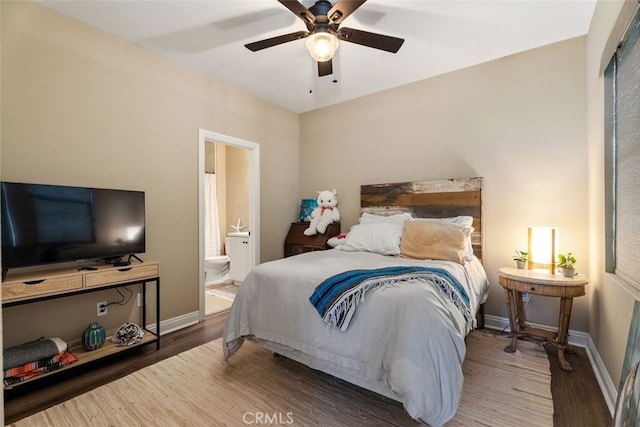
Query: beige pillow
x,y
434,240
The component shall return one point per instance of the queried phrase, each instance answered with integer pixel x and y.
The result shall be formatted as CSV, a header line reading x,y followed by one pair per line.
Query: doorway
x,y
253,148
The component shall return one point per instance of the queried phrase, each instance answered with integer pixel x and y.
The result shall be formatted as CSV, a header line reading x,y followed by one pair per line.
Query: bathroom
x,y
226,211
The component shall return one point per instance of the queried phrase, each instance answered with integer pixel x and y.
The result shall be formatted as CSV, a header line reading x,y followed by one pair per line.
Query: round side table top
x,y
540,276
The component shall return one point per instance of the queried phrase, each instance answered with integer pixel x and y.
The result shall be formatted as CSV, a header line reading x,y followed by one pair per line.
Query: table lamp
x,y
543,247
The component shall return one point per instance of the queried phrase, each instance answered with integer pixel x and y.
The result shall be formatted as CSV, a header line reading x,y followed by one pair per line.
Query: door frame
x,y
254,200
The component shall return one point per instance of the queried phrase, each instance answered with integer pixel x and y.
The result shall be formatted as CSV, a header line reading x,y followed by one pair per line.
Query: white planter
x,y
568,272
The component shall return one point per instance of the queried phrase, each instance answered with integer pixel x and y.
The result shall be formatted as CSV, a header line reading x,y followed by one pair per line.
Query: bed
x,y
401,332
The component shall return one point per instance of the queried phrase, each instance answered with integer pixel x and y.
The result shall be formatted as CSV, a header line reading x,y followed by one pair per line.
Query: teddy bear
x,y
326,213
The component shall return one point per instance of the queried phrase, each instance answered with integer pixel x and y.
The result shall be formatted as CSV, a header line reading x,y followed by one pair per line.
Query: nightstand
x,y
297,242
515,281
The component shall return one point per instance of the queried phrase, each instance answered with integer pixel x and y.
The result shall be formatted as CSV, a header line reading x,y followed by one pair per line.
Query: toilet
x,y
216,269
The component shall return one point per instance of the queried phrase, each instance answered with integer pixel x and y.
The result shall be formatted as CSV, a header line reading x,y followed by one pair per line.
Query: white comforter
x,y
405,341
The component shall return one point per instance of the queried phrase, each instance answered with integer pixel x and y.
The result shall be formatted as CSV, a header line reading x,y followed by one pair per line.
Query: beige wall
x,y
519,122
82,107
237,172
611,301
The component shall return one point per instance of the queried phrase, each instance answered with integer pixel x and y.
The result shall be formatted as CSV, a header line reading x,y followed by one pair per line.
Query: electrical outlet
x,y
139,301
526,297
101,308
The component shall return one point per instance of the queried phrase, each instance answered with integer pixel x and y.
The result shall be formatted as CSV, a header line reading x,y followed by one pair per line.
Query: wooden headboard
x,y
429,199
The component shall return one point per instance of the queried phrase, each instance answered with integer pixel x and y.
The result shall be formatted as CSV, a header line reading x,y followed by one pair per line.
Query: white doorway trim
x,y
254,199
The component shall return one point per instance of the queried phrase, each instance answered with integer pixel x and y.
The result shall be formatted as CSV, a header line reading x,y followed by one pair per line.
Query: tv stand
x,y
26,288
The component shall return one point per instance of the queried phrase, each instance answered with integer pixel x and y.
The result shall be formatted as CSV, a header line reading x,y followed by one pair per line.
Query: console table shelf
x,y
27,288
84,356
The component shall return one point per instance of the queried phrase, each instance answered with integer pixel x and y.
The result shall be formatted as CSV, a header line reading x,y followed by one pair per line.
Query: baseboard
x,y
578,339
609,390
175,323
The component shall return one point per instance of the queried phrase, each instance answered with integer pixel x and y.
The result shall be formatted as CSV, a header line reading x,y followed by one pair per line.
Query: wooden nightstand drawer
x,y
546,289
297,242
120,274
40,286
531,288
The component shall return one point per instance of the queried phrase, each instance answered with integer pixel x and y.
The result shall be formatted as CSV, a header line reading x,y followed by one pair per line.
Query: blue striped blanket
x,y
337,297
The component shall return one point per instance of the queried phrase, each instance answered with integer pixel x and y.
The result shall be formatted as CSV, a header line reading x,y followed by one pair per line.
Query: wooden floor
x,y
576,395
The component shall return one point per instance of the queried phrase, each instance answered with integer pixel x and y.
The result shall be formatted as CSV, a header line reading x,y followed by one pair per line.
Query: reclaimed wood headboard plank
x,y
429,199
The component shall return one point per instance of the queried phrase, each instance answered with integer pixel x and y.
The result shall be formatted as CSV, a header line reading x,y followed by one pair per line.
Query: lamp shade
x,y
322,45
543,247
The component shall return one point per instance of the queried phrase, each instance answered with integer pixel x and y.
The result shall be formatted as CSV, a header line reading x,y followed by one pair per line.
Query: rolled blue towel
x,y
42,348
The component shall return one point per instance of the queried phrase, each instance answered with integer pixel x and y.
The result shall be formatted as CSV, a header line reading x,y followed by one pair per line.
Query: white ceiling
x,y
440,36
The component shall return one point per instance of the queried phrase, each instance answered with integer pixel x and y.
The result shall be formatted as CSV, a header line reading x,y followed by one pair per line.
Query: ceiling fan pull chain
x,y
311,69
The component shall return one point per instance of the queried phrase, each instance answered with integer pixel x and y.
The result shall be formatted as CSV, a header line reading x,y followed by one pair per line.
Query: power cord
x,y
524,307
124,299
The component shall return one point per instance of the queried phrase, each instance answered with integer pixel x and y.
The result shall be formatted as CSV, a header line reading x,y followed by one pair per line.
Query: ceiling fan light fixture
x,y
322,45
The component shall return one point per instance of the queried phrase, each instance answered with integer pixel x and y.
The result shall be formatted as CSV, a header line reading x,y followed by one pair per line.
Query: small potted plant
x,y
567,264
521,258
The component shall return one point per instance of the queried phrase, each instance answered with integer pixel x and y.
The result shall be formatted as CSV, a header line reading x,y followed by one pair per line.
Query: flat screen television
x,y
45,224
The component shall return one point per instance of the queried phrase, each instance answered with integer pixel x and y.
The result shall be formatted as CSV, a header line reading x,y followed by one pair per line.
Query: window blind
x,y
626,145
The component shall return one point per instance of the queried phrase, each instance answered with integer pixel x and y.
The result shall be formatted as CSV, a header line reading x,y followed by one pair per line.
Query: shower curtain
x,y
211,225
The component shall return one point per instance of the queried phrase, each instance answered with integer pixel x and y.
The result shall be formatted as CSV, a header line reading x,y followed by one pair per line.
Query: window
x,y
622,158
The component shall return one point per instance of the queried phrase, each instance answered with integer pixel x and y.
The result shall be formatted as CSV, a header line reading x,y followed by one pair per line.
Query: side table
x,y
540,282
297,242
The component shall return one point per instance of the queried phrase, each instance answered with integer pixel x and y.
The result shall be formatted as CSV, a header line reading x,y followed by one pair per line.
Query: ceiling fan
x,y
323,21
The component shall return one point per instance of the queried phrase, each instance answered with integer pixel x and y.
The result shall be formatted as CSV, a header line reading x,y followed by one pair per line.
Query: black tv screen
x,y
43,224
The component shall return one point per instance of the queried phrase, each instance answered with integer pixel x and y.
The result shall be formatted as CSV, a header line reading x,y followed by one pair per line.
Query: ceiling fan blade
x,y
342,9
325,68
299,10
365,38
274,41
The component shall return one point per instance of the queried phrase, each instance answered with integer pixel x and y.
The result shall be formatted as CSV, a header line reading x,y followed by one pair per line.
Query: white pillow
x,y
382,238
460,220
369,218
468,246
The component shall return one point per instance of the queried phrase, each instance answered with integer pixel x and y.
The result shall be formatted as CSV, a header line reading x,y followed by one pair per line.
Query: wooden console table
x,y
539,282
26,288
